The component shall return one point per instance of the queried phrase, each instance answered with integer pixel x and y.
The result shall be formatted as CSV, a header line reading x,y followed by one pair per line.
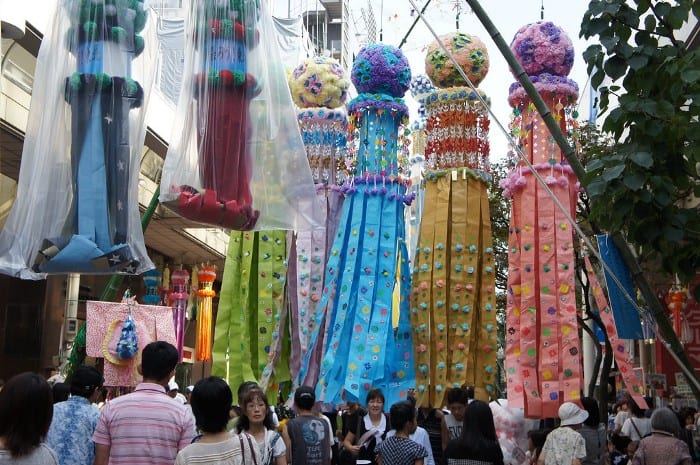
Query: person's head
x,y
304,398
188,392
60,392
173,389
535,441
26,410
243,388
158,361
665,420
571,414
86,382
620,442
634,409
591,406
478,421
211,402
375,402
686,416
255,409
402,416
457,400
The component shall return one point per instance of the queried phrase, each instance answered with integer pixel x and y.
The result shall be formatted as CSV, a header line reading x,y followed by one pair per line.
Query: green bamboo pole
x,y
672,343
77,353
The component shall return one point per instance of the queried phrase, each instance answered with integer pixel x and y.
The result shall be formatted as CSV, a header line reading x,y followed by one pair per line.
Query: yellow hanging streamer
x,y
205,294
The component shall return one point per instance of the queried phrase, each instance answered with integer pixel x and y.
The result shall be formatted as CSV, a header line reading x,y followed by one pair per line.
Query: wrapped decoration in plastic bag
x,y
236,158
77,199
511,429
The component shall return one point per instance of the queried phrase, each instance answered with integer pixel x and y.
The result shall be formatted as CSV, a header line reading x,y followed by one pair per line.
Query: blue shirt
x,y
70,434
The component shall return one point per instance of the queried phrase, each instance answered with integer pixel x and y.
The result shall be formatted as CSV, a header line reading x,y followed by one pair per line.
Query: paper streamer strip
x,y
179,297
623,358
205,295
627,320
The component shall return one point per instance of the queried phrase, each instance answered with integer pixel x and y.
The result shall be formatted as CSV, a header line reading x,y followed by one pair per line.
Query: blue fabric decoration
x,y
128,344
627,319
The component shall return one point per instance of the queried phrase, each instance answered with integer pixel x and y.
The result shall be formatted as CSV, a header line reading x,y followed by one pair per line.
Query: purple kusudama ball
x,y
469,51
543,47
381,69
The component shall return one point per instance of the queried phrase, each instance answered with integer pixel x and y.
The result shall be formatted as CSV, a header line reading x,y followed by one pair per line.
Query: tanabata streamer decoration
x,y
319,88
453,303
543,355
206,276
104,322
178,296
236,158
624,359
251,318
77,204
152,279
362,350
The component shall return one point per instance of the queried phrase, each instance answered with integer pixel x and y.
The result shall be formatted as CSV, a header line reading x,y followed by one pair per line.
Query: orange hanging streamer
x,y
205,294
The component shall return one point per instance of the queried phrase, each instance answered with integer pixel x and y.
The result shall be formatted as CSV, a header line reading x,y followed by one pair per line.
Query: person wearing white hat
x,y
565,445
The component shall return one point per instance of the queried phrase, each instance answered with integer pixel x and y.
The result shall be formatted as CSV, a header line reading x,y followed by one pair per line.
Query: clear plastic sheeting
x,y
236,157
77,204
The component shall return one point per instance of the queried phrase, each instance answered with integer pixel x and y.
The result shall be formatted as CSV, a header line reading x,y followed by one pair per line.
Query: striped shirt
x,y
145,427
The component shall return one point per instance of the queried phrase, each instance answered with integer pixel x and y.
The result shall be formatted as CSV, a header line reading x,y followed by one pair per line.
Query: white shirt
x,y
420,436
642,424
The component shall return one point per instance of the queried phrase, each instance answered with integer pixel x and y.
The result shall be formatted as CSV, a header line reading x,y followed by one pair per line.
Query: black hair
x,y
85,380
211,401
620,442
478,430
158,360
250,396
401,413
26,410
244,387
457,396
591,406
375,394
538,437
60,392
305,397
635,410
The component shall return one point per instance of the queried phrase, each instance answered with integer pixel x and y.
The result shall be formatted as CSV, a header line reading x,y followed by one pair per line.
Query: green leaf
x,y
615,67
634,181
638,61
597,187
690,75
594,165
672,234
649,22
643,159
613,172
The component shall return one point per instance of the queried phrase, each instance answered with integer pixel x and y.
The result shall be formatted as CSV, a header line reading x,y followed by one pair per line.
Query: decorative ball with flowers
x,y
380,68
421,87
543,47
319,82
469,51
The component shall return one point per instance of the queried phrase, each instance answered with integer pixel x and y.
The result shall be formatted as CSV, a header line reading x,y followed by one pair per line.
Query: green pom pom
x,y
214,78
140,20
75,82
104,81
90,29
139,44
118,34
131,86
133,4
238,78
84,12
97,11
226,28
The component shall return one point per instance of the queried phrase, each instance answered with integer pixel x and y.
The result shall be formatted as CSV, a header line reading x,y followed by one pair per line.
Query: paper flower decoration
x,y
421,87
543,47
319,82
380,68
469,51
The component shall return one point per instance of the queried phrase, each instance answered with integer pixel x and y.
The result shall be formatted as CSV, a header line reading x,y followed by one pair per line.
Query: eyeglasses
x,y
376,401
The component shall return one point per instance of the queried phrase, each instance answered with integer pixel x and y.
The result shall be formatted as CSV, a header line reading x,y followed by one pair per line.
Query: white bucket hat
x,y
571,414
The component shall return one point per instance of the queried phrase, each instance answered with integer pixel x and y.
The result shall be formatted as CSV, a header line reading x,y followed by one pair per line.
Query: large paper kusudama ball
x,y
469,51
319,82
543,47
381,69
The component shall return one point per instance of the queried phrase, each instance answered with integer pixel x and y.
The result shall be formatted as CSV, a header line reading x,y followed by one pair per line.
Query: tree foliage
x,y
649,85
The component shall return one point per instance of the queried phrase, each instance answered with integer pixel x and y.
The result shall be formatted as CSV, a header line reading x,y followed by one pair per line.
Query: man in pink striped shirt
x,y
145,427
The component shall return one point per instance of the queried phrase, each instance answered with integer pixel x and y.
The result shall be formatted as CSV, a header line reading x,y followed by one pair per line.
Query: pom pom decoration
x,y
469,51
380,68
543,47
421,87
319,82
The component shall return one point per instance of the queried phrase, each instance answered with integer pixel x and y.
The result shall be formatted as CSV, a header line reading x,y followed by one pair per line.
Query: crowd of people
x,y
152,425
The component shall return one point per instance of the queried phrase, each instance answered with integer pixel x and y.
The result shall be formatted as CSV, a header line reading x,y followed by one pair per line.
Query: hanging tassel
x,y
205,294
179,297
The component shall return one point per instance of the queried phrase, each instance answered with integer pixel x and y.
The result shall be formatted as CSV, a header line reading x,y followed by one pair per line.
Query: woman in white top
x,y
636,426
256,420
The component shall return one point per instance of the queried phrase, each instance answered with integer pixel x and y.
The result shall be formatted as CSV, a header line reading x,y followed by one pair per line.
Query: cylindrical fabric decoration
x,y
453,305
236,159
95,61
152,280
362,351
543,354
319,88
179,296
205,295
